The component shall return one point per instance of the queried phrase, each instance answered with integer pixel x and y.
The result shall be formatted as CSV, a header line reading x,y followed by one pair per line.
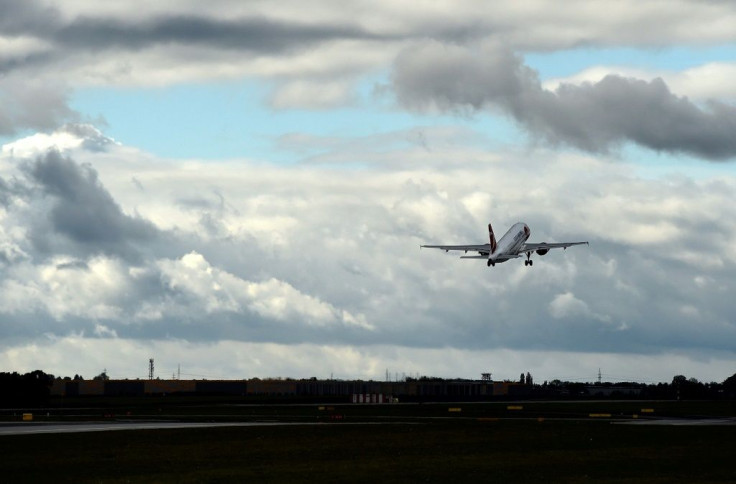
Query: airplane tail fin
x,y
492,237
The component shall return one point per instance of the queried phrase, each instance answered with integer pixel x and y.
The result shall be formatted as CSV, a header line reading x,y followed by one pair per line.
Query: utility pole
x,y
599,376
150,369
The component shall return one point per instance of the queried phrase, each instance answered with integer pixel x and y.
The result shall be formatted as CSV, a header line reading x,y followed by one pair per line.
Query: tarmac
x,y
35,428
28,428
682,421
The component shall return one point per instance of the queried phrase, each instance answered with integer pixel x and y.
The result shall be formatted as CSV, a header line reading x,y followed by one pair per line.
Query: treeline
x,y
29,390
680,388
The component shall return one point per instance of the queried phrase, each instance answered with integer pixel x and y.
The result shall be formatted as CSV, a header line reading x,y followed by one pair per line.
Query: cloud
x,y
327,253
214,290
126,358
594,117
314,62
312,94
86,30
32,103
202,44
558,26
143,44
82,213
703,82
566,305
258,34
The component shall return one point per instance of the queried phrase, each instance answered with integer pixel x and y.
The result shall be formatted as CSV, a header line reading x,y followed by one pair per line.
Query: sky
x,y
240,189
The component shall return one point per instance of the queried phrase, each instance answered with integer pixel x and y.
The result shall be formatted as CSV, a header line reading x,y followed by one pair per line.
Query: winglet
x,y
492,237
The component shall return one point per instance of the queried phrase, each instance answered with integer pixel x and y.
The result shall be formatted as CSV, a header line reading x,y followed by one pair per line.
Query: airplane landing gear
x,y
528,261
491,263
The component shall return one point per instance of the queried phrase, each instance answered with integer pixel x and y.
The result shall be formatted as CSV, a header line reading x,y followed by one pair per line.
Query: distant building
x,y
422,389
608,391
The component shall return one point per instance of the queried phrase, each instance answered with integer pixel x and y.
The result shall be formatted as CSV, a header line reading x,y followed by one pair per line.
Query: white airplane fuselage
x,y
510,243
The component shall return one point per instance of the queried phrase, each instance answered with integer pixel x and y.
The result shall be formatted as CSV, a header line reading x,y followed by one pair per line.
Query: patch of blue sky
x,y
674,58
181,121
233,119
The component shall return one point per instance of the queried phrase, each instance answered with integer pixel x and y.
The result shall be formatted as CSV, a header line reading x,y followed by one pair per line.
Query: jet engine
x,y
542,251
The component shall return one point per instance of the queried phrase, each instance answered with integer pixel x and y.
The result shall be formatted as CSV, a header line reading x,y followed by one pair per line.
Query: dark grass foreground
x,y
454,452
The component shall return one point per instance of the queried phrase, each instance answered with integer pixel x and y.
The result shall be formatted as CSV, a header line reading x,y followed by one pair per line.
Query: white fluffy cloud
x,y
214,290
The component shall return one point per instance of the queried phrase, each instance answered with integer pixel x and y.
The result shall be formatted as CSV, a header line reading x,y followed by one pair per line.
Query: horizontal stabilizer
x,y
506,257
499,258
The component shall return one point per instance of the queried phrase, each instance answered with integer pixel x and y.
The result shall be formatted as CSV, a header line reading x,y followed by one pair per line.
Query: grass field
x,y
504,451
541,442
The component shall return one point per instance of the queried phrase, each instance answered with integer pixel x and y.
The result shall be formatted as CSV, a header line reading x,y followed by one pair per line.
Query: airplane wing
x,y
484,249
547,246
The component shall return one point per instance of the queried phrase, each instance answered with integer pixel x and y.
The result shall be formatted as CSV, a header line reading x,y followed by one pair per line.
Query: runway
x,y
66,428
35,428
682,421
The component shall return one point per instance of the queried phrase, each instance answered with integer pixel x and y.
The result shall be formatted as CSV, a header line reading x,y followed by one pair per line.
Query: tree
x,y
102,376
521,379
529,380
729,386
31,389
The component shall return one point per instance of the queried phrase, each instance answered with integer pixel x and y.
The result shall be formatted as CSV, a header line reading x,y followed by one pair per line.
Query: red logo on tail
x,y
492,237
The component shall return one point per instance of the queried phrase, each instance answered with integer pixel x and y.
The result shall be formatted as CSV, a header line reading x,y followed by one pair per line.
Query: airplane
x,y
512,245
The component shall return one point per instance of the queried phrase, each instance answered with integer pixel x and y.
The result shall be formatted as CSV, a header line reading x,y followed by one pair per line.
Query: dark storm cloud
x,y
87,33
256,34
18,18
84,213
592,117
